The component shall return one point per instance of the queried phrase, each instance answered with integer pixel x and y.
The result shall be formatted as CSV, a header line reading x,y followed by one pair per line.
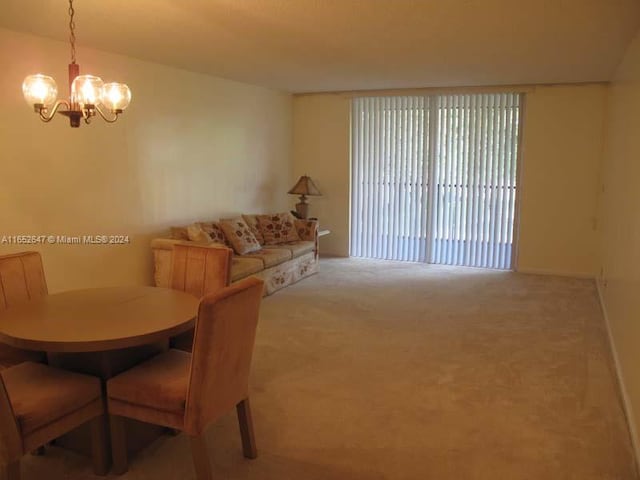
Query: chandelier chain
x,y
72,35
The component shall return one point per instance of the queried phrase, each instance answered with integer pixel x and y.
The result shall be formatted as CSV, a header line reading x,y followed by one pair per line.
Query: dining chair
x,y
198,270
39,403
21,280
188,391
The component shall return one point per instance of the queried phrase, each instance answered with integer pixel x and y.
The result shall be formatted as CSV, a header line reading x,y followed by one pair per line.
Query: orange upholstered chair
x,y
189,391
21,280
39,403
200,271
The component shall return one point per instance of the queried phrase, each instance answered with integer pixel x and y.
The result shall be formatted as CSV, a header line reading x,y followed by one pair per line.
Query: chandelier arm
x,y
104,117
47,118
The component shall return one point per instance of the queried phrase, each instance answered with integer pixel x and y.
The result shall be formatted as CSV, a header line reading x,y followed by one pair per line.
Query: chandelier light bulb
x,y
116,96
39,89
86,90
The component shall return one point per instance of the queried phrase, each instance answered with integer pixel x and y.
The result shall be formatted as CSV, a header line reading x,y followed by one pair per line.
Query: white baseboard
x,y
628,410
542,271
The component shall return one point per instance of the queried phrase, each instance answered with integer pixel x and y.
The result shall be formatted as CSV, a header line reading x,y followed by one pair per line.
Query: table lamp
x,y
304,187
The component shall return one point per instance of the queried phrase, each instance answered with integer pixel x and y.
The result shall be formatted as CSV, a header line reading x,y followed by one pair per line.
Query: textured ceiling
x,y
328,45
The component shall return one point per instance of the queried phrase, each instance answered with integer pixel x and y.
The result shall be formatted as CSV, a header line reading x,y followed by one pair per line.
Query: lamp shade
x,y
86,90
115,96
305,186
39,90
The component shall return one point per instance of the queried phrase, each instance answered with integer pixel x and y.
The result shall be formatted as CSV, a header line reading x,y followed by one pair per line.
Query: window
x,y
434,178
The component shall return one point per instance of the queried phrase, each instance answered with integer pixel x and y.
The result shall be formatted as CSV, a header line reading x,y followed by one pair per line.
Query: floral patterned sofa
x,y
276,248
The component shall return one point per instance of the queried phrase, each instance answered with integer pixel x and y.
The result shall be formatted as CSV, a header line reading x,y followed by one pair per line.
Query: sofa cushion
x,y
239,234
179,233
278,228
243,267
252,221
197,234
271,256
160,383
215,232
298,248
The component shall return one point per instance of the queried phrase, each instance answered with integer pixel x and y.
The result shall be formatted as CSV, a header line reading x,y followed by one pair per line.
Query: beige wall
x,y
620,213
190,147
562,148
321,126
561,156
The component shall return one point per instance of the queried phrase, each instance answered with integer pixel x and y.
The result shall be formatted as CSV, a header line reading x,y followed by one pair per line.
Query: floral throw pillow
x,y
239,235
306,229
215,232
252,221
278,228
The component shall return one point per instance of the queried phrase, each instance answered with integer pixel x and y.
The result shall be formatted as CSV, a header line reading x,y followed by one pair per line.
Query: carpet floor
x,y
385,370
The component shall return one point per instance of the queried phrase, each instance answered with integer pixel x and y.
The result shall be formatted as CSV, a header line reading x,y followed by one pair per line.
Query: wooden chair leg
x,y
200,457
99,447
246,429
11,471
118,445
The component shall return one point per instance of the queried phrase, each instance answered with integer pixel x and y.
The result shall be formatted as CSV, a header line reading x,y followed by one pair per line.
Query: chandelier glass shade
x,y
88,94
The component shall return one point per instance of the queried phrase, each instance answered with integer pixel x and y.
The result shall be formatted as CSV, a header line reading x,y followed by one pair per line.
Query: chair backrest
x,y
200,270
222,348
10,438
21,278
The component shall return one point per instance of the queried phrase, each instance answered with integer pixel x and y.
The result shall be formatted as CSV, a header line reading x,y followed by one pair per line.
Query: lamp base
x,y
302,209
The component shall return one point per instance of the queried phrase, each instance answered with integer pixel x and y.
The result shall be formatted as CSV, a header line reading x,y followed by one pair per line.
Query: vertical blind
x,y
434,178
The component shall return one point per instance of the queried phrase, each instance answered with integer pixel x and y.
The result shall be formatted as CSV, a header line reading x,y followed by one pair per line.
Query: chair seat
x,y
10,356
40,394
160,383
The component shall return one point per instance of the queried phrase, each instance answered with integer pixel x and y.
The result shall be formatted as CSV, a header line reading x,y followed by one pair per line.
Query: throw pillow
x,y
197,234
278,228
252,221
239,235
179,233
215,232
306,229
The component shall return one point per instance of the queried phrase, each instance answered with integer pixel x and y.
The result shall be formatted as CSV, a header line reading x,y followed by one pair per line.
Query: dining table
x,y
101,332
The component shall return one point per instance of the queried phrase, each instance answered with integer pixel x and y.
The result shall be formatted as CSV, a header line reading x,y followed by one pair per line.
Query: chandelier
x,y
89,95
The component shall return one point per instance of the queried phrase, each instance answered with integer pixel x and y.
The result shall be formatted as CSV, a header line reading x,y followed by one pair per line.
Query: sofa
x,y
277,248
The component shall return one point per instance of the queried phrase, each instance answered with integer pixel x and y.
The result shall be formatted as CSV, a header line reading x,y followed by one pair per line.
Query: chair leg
x,y
11,471
118,445
200,457
99,448
246,429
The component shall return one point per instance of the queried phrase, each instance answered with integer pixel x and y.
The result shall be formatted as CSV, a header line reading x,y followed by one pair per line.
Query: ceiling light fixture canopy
x,y
88,94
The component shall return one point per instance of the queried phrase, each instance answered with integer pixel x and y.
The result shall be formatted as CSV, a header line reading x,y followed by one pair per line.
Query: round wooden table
x,y
98,319
101,332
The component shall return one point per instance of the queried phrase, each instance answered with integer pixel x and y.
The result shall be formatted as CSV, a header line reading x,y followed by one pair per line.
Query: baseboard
x,y
542,271
626,403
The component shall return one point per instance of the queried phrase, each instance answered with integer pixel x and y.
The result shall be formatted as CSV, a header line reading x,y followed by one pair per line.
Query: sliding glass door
x,y
434,178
